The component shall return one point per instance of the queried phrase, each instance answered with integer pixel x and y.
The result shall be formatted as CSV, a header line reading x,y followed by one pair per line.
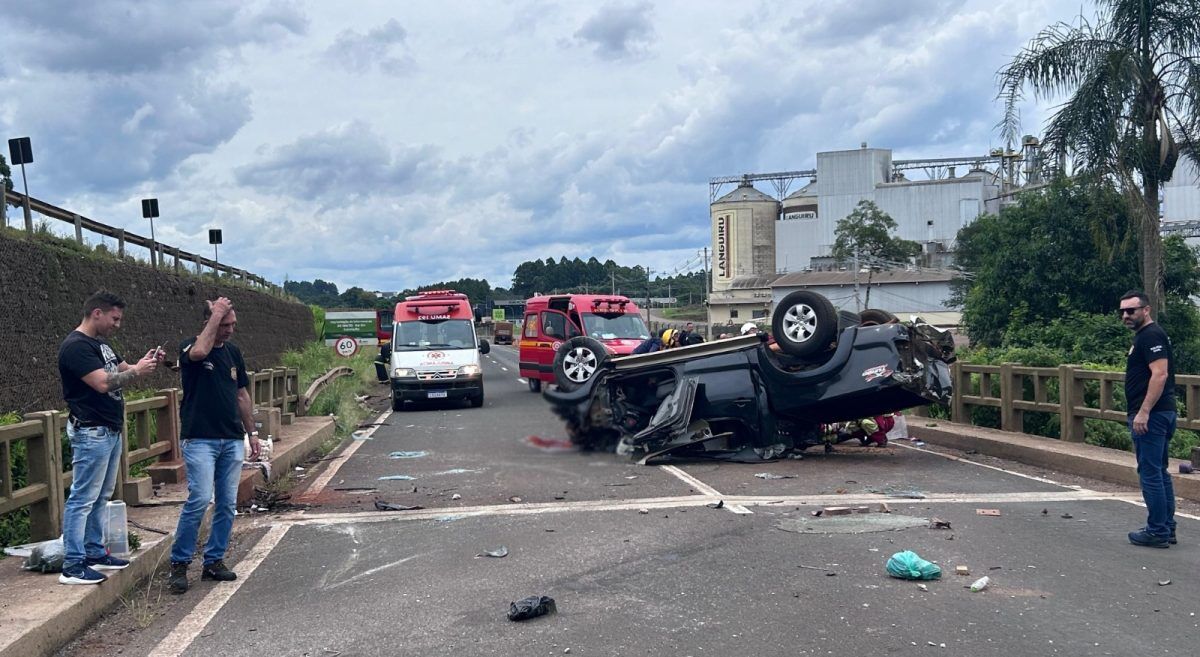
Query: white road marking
x,y
702,487
687,501
504,368
198,618
982,465
336,464
369,572
522,380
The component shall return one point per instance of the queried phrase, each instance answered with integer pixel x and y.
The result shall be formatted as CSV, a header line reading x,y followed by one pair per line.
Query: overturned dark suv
x,y
746,398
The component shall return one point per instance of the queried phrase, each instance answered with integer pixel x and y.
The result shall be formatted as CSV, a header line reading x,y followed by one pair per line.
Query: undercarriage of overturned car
x,y
750,398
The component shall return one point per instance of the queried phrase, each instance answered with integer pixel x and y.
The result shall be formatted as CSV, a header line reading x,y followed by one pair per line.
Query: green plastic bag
x,y
907,565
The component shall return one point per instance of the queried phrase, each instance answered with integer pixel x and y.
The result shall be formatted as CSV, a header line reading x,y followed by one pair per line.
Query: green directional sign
x,y
498,314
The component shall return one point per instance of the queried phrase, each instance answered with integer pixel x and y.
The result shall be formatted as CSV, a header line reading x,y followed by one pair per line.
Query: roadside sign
x,y
358,324
345,346
498,314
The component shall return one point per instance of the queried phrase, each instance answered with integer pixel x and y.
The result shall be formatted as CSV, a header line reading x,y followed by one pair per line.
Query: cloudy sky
x,y
390,144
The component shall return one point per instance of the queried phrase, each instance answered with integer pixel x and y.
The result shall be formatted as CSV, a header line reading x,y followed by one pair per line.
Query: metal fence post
x,y
78,227
1070,395
45,465
121,243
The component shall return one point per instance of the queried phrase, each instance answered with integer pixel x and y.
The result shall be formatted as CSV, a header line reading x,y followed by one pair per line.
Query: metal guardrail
x,y
158,250
151,436
1063,390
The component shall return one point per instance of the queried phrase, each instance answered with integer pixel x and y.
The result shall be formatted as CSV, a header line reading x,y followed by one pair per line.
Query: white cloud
x,y
402,143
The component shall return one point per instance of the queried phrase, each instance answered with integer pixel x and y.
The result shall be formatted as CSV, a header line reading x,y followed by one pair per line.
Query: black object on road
x,y
388,506
531,607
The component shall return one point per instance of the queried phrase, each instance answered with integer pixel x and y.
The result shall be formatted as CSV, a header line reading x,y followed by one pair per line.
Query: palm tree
x,y
1134,85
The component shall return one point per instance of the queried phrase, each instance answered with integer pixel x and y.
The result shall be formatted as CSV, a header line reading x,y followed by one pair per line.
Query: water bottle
x,y
980,584
116,529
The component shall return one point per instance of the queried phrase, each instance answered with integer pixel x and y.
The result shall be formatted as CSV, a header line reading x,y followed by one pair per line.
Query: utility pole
x,y
707,282
648,272
857,305
612,274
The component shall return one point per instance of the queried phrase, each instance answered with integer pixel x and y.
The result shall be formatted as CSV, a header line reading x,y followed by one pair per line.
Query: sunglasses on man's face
x,y
1129,311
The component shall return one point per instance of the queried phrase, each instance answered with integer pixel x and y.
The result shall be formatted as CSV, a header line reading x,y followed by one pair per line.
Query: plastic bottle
x,y
980,584
116,529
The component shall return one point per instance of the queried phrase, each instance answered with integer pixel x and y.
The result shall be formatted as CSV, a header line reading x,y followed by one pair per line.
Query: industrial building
x,y
763,244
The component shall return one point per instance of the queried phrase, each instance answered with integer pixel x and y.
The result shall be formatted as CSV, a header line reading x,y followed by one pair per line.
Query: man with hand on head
x,y
216,412
93,377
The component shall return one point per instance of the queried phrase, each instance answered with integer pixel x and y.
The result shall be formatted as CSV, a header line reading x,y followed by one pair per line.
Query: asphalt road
x,y
639,564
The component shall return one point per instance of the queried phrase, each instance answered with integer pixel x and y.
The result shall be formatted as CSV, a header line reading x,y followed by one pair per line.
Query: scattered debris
x,y
362,435
456,471
498,553
720,504
407,455
962,570
448,518
771,475
938,523
357,489
884,508
550,444
987,512
643,511
923,587
980,584
514,499
631,477
1165,582
907,565
388,506
397,478
1067,516
1045,511
813,568
836,511
531,607
456,496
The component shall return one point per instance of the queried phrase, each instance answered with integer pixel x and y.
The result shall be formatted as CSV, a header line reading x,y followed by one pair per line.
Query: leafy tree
x,y
1134,84
866,235
5,174
356,297
1043,260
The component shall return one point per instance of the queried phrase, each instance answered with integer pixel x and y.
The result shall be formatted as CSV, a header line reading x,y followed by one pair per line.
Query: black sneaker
x,y
80,574
218,572
178,581
1146,539
1172,540
106,562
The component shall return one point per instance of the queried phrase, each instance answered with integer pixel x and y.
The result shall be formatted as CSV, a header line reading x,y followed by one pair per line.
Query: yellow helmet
x,y
666,335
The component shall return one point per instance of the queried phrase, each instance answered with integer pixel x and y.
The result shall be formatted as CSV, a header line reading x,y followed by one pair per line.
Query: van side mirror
x,y
484,347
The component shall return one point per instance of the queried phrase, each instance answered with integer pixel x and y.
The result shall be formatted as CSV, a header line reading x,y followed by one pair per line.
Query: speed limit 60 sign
x,y
345,346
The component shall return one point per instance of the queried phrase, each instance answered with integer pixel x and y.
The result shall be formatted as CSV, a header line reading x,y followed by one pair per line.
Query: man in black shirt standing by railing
x,y
93,376
1150,397
216,412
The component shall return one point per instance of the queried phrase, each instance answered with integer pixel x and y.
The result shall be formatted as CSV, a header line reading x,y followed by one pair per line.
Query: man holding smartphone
x,y
216,412
93,379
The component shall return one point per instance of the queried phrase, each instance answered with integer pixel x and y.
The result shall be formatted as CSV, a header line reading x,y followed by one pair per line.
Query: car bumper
x,y
437,390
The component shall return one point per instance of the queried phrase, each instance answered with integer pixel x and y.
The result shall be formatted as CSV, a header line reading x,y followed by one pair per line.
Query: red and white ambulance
x,y
435,351
586,325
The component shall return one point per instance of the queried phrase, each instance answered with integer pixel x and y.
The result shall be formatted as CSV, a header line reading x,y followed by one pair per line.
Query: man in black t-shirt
x,y
1150,395
216,413
93,376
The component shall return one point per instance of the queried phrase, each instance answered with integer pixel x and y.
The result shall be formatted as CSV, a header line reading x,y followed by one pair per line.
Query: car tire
x,y
577,360
875,317
804,323
477,401
535,385
397,404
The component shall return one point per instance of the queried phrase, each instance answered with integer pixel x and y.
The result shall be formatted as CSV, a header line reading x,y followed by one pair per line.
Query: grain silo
x,y
743,234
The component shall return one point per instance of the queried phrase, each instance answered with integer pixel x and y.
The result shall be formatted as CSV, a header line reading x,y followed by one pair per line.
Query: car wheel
x,y
804,323
476,402
535,385
875,317
397,404
577,361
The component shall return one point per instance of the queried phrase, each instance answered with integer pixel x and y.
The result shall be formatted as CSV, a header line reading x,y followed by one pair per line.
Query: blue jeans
x,y
1151,449
95,457
214,466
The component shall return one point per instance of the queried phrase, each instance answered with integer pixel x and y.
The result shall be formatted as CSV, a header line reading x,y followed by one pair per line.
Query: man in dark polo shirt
x,y
93,376
216,412
1150,394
